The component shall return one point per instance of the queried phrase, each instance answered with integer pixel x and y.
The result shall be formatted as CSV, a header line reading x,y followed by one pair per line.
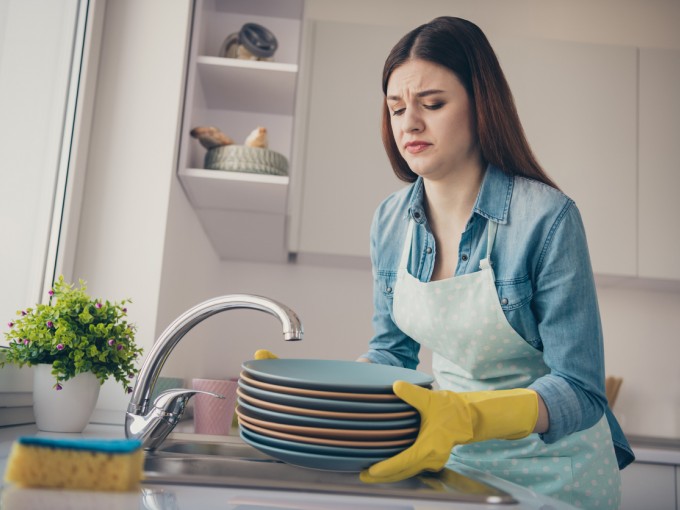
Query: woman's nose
x,y
413,123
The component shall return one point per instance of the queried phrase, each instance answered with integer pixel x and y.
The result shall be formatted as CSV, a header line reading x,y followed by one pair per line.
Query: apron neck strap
x,y
491,227
406,251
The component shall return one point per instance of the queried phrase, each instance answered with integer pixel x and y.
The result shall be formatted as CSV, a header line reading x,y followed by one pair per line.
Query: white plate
x,y
320,413
327,432
312,421
323,404
333,375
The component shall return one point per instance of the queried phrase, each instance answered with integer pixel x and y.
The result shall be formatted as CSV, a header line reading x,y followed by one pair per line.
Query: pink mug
x,y
214,415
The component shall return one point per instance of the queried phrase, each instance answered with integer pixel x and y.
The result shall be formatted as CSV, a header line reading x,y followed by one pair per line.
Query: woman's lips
x,y
416,147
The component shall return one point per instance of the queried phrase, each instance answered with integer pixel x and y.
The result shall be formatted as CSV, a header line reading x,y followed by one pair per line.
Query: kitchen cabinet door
x,y
577,103
659,163
648,486
346,171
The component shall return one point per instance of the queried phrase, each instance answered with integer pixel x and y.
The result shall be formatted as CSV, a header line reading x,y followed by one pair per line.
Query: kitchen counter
x,y
175,497
655,450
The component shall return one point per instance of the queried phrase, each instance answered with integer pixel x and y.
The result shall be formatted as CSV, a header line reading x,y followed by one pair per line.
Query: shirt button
x,y
428,250
464,257
388,290
504,301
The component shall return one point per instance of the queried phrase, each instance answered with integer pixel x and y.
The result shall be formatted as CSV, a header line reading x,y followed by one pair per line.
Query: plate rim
x,y
316,384
320,421
319,403
330,442
308,392
321,413
326,432
310,447
352,463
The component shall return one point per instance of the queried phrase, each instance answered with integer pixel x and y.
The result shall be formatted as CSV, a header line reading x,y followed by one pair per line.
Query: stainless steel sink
x,y
233,463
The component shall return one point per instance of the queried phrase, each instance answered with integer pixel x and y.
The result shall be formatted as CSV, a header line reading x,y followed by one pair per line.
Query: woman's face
x,y
431,119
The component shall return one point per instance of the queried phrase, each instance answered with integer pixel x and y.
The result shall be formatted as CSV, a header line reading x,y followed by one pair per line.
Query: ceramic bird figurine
x,y
257,138
211,137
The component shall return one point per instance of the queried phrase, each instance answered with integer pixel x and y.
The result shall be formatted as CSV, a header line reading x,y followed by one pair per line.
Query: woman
x,y
484,261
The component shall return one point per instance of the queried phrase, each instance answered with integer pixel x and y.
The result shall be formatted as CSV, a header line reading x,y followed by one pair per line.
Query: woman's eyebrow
x,y
423,93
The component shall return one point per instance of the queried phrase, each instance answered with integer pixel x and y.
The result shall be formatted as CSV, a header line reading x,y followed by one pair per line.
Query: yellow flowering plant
x,y
75,333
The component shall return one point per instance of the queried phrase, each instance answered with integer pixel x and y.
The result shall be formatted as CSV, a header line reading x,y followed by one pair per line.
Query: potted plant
x,y
76,343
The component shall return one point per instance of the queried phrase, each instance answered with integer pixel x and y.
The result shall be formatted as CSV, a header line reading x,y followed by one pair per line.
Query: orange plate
x,y
321,413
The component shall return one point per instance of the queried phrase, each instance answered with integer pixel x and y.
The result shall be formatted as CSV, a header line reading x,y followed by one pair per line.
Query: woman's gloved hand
x,y
448,419
264,354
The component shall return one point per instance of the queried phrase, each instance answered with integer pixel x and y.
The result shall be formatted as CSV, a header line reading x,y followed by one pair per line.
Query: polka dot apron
x,y
475,348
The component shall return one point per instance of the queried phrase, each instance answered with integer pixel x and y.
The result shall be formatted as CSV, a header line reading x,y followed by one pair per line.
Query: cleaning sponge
x,y
90,464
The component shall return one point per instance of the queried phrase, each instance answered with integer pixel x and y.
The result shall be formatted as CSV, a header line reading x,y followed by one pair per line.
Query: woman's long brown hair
x,y
461,46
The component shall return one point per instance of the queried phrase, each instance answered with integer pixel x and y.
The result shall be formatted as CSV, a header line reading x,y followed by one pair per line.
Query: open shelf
x,y
248,85
244,215
217,189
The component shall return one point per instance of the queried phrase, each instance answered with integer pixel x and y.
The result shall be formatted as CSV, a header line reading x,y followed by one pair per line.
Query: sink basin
x,y
233,463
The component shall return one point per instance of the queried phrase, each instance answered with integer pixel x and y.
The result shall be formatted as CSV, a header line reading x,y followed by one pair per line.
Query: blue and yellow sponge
x,y
86,464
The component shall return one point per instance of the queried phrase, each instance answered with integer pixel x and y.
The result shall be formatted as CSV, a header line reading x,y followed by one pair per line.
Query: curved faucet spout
x,y
146,380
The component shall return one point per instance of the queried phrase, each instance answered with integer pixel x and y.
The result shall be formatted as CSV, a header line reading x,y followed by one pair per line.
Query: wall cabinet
x,y
244,215
578,103
346,172
659,163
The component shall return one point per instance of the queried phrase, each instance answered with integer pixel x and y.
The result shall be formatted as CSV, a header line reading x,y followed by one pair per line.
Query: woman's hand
x,y
264,354
448,419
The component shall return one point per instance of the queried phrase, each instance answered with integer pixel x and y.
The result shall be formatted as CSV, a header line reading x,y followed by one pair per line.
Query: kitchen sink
x,y
230,462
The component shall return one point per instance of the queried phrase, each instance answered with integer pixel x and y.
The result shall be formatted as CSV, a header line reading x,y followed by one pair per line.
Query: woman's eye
x,y
435,106
397,112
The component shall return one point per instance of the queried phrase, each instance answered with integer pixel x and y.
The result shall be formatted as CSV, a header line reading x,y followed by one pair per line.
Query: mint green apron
x,y
475,348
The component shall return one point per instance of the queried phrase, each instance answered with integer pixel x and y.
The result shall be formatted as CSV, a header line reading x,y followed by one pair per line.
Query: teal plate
x,y
312,421
314,460
333,375
319,449
324,404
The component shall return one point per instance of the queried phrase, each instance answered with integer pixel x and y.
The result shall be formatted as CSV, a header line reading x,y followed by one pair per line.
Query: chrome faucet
x,y
152,426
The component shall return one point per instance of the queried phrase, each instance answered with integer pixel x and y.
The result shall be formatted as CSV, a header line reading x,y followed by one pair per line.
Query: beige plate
x,y
332,433
323,440
332,395
323,414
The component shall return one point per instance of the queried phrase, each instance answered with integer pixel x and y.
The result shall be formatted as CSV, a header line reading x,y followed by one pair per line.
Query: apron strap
x,y
406,250
492,227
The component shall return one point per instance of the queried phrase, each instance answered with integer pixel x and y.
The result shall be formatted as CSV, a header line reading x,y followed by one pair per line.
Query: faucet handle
x,y
173,402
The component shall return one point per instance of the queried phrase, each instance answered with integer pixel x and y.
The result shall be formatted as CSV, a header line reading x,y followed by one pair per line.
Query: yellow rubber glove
x,y
448,419
264,354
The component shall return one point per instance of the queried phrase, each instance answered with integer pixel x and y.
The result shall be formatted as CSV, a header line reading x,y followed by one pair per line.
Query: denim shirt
x,y
544,281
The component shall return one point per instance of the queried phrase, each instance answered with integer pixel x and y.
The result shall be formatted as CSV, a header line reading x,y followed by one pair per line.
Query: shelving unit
x,y
243,214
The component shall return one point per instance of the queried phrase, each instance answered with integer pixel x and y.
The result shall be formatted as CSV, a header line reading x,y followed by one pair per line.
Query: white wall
x,y
131,163
128,238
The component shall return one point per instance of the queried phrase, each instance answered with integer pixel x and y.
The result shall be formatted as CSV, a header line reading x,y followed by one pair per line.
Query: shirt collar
x,y
493,199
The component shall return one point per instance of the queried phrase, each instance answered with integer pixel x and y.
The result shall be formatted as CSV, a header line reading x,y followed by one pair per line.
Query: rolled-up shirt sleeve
x,y
567,313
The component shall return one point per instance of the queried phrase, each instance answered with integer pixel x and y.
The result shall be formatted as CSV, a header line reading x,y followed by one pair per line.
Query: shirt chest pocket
x,y
385,282
515,298
514,294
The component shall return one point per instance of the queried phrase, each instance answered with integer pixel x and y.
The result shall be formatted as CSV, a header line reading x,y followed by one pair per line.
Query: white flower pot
x,y
65,410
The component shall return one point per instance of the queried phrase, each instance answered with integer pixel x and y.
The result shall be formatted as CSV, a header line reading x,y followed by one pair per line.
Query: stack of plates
x,y
326,414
